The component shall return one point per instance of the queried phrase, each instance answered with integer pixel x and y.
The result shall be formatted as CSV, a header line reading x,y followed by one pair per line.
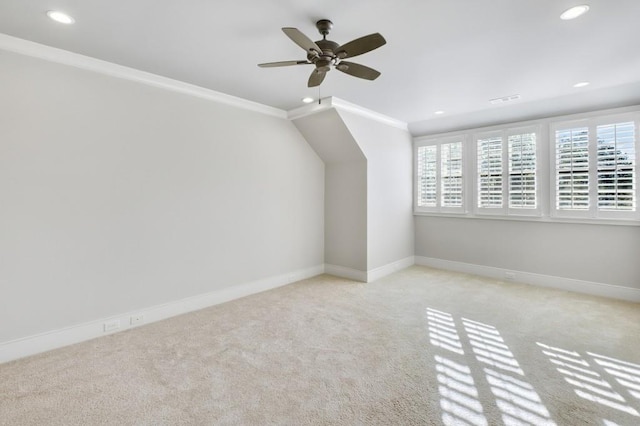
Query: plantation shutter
x,y
522,171
451,174
616,166
572,169
490,172
427,176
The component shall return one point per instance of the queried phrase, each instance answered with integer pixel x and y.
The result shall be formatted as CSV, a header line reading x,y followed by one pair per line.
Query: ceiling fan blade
x,y
361,45
316,78
358,70
283,64
301,40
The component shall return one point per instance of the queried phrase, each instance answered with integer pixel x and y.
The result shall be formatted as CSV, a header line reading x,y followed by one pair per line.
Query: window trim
x,y
619,118
438,208
477,137
592,123
506,210
545,167
553,193
521,130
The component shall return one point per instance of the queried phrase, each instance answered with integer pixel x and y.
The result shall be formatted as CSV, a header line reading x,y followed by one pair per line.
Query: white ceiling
x,y
451,55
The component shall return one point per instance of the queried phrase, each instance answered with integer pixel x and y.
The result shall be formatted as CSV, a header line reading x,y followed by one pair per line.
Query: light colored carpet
x,y
420,347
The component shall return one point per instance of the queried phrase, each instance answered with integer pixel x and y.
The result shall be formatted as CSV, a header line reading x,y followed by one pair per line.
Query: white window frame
x,y
438,208
501,211
593,212
537,211
566,125
614,119
417,177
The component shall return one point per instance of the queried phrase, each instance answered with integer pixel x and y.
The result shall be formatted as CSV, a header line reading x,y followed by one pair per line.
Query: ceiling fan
x,y
326,53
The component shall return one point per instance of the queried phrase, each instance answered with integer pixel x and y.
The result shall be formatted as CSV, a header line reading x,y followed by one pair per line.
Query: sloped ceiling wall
x,y
345,204
328,135
389,152
368,195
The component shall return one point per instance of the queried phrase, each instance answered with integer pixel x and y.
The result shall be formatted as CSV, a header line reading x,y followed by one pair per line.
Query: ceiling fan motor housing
x,y
328,46
327,57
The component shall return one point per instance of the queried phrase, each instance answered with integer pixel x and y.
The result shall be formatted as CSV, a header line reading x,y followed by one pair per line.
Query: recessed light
x,y
307,100
61,17
574,12
581,84
439,112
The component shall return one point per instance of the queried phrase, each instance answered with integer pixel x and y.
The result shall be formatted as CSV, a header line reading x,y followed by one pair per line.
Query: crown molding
x,y
314,108
341,105
367,113
53,54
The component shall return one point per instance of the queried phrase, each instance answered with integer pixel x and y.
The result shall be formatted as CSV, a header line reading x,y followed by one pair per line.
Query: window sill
x,y
542,219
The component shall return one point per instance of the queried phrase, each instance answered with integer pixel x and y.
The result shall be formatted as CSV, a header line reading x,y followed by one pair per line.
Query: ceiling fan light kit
x,y
325,54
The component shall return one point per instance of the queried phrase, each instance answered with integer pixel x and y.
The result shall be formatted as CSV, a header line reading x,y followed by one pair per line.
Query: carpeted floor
x,y
420,347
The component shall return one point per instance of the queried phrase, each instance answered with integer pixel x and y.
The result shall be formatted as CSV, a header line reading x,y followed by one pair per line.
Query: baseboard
x,y
578,286
54,339
390,268
344,272
371,275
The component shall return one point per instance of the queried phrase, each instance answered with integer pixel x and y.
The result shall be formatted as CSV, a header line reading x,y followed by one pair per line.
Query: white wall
x,y
117,196
607,254
389,152
346,215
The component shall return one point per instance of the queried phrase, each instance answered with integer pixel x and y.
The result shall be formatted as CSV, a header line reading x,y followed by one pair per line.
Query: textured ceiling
x,y
450,55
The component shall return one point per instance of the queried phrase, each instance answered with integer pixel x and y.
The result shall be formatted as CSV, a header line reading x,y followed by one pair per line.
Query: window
x,y
581,168
490,172
616,166
427,176
507,172
440,176
595,168
572,169
451,171
523,191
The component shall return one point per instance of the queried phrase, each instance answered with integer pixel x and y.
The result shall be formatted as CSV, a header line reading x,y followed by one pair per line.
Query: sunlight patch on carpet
x,y
589,384
442,331
458,394
460,400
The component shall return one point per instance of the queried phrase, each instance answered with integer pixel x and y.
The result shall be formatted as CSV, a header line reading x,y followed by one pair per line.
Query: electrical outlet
x,y
111,325
137,319
510,276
